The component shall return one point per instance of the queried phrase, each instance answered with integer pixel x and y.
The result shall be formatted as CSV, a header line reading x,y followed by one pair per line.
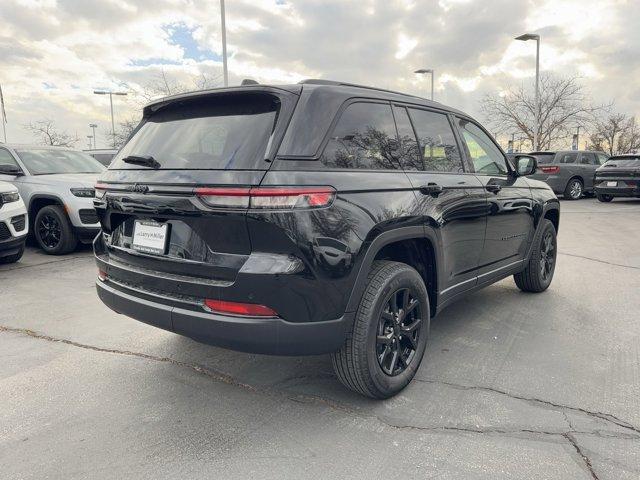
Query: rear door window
x,y
364,138
544,158
438,148
567,158
217,133
408,151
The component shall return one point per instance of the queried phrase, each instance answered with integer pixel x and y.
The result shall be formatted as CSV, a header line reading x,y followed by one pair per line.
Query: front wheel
x,y
537,276
386,343
53,231
574,189
605,198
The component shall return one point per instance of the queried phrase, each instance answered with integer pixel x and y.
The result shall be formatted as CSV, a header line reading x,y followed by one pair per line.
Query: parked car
x,y
103,155
13,224
618,177
57,187
569,172
310,218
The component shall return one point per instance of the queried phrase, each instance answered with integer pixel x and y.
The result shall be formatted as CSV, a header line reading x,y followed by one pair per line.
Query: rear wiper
x,y
144,160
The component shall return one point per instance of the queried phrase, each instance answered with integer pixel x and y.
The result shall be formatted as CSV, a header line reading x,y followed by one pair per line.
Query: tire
x,y
533,278
13,258
605,198
574,189
378,339
53,231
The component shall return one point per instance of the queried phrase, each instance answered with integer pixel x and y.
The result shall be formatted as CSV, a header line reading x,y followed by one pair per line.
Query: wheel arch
x,y
415,246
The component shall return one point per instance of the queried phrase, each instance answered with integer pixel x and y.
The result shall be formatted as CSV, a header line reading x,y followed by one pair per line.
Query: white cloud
x,y
405,46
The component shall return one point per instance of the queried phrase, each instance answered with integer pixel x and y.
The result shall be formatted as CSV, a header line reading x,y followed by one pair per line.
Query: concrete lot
x,y
513,385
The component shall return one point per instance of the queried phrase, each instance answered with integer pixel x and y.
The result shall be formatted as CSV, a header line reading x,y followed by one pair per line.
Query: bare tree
x,y
123,132
163,84
563,106
47,134
617,134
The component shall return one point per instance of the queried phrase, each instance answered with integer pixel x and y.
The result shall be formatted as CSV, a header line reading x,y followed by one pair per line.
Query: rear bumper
x,y
272,336
556,182
619,191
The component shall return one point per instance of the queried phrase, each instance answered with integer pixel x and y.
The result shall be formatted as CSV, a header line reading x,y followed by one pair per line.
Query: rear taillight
x,y
552,169
267,197
102,275
100,189
236,308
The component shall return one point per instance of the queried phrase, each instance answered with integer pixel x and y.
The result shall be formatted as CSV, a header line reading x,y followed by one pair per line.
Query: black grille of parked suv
x,y
88,215
18,222
4,231
315,218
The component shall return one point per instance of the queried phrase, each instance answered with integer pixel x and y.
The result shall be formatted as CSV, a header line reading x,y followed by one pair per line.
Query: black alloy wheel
x,y
49,231
547,256
398,332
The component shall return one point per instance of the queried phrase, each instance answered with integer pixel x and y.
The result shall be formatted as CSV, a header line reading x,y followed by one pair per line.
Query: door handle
x,y
431,188
493,188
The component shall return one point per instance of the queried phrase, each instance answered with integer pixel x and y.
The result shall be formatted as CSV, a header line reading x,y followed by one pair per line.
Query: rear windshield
x,y
543,158
623,162
43,161
227,132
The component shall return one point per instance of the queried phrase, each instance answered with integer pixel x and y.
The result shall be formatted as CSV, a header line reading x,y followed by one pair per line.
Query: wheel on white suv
x,y
53,231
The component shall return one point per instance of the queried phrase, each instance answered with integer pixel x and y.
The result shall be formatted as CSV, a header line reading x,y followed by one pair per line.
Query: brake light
x,y
100,189
552,169
236,308
102,275
267,197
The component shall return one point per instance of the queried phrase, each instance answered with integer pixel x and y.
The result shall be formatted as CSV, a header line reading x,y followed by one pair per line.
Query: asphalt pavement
x,y
513,385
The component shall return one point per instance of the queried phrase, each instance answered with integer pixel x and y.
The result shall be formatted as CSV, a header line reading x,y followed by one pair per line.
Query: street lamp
x,y
428,70
93,126
111,94
224,44
524,38
89,137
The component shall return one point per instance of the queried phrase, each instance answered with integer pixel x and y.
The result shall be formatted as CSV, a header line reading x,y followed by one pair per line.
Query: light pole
x,y
536,37
431,71
93,127
111,94
224,44
89,137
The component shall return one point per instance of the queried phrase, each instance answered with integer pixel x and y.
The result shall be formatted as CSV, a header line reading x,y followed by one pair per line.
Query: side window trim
x,y
466,149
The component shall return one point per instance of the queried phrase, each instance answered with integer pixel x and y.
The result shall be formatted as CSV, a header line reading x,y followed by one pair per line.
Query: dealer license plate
x,y
150,237
612,184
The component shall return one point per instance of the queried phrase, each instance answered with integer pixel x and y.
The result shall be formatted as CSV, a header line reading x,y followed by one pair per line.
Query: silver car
x,y
57,185
569,172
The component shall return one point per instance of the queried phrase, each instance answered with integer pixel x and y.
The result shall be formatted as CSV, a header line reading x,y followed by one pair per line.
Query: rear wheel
x,y
53,231
385,346
605,198
539,272
574,189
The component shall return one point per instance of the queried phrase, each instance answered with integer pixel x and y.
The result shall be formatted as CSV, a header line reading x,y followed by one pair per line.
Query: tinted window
x,y
486,156
6,158
408,151
602,158
543,158
588,159
623,162
42,161
438,147
364,137
230,132
567,157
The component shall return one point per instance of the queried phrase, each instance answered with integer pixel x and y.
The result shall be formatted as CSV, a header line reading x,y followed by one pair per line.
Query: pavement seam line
x,y
608,417
599,261
571,439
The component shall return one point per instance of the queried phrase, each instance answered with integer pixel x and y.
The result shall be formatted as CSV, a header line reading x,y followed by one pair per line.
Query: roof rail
x,y
318,81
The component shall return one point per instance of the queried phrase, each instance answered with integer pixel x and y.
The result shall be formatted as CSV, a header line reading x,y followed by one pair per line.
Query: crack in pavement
x,y
23,267
334,405
608,417
599,261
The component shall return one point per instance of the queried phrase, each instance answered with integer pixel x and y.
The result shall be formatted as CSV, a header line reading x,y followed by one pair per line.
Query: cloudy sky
x,y
54,53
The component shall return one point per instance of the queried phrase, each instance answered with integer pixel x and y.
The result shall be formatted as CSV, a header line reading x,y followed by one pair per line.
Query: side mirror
x,y
9,169
526,165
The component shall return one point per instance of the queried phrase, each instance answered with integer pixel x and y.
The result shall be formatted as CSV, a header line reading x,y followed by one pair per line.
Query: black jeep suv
x,y
315,218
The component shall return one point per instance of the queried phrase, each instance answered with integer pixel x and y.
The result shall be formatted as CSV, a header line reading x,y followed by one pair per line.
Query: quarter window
x,y
588,159
602,158
364,138
438,148
486,157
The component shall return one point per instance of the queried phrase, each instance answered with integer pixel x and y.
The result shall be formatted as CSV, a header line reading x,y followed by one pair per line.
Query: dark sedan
x,y
618,177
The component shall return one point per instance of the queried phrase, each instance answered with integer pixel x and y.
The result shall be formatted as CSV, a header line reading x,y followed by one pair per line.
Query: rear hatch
x,y
619,172
220,143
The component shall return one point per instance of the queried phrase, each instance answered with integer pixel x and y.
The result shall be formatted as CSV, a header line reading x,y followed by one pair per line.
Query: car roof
x,y
554,152
626,155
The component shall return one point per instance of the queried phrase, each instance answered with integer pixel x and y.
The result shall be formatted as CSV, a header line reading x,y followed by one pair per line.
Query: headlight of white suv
x,y
9,197
84,192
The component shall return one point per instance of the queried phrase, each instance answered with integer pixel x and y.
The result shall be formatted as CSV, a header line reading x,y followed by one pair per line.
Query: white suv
x,y
13,224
